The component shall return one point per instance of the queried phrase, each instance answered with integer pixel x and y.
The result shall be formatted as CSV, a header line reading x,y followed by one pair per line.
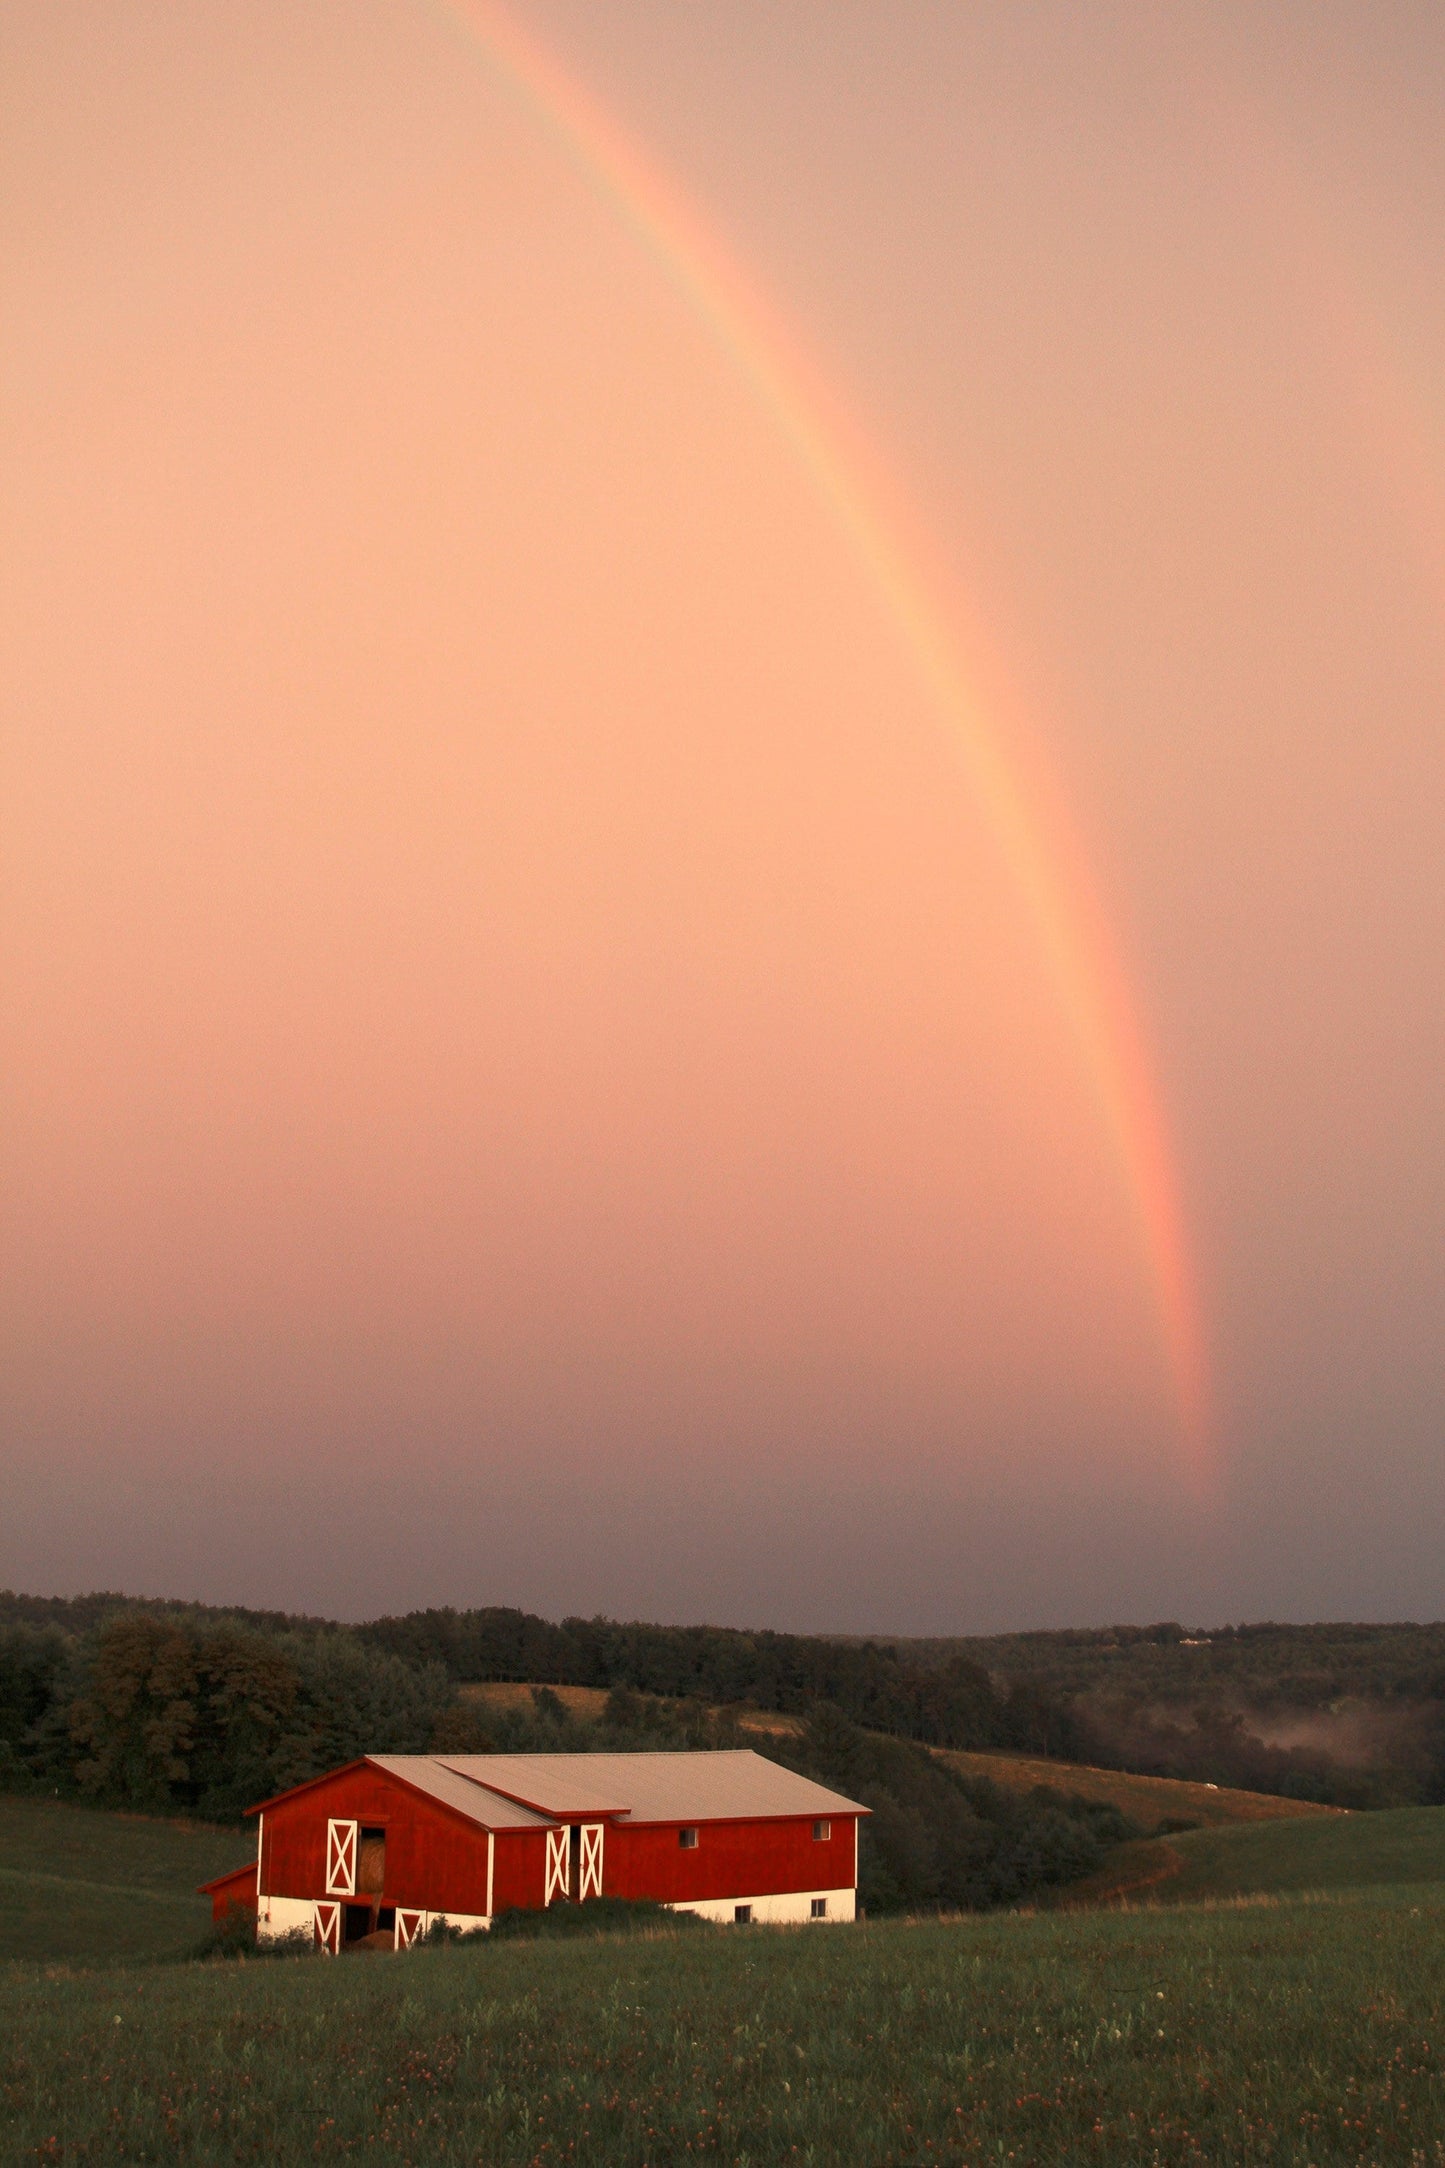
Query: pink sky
x,y
529,1074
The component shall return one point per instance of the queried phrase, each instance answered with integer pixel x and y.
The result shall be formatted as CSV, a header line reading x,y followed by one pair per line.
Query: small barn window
x,y
687,1838
819,1909
822,1831
742,1915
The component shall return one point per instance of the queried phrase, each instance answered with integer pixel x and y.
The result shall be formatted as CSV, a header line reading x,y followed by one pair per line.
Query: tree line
x,y
954,1703
1349,1715
1265,1666
291,1695
200,1715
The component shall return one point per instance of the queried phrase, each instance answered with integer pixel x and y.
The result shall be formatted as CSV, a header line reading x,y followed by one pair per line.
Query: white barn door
x,y
328,1929
556,1864
408,1927
341,1859
589,1879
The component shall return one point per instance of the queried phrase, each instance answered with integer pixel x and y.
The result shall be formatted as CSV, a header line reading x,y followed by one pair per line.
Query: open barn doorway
x,y
367,1923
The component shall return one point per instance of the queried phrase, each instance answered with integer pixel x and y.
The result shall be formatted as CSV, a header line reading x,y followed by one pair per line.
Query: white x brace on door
x,y
556,1864
408,1927
589,1878
341,1859
328,1928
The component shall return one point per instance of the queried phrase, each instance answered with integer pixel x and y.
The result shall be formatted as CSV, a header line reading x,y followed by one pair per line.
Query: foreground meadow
x,y
1293,2031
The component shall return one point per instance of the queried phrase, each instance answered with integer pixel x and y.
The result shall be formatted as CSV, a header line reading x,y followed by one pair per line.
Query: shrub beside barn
x,y
381,1850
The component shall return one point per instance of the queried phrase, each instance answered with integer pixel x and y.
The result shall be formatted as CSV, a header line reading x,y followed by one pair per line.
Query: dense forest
x,y
954,1702
174,1707
1346,1715
1349,1714
1265,1667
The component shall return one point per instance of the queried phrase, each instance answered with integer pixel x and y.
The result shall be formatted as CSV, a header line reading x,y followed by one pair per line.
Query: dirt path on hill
x,y
1134,1874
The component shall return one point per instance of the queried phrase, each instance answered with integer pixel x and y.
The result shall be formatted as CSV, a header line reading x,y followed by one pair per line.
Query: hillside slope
x,y
77,1883
1149,1801
1401,1848
589,1703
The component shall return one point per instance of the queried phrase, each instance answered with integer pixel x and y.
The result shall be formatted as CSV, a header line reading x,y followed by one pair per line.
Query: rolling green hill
x,y
77,1884
1401,1849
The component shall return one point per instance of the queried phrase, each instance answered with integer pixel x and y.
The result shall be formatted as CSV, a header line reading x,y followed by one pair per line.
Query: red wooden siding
x,y
233,1892
518,1869
433,1859
436,1859
730,1859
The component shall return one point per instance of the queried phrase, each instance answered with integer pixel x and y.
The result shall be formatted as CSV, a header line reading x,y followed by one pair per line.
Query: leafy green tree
x,y
39,1672
248,1687
355,1699
135,1724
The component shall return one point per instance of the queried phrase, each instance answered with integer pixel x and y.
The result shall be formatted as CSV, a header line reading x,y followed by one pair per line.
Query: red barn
x,y
394,1842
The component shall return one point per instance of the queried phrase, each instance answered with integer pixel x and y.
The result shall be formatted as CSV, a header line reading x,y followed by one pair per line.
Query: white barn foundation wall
x,y
278,1916
783,1909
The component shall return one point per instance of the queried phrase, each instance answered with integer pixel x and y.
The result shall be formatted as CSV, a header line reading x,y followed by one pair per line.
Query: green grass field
x,y
1355,1851
1290,2008
78,1884
1307,2032
1333,1852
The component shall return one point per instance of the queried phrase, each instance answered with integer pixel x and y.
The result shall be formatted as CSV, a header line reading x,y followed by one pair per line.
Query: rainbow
x,y
1031,829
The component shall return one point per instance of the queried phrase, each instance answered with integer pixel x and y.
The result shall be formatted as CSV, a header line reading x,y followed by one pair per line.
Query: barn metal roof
x,y
545,1781
490,1809
534,1791
736,1785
